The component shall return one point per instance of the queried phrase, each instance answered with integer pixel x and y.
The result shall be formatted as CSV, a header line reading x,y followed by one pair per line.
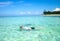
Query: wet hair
x,y
32,28
21,28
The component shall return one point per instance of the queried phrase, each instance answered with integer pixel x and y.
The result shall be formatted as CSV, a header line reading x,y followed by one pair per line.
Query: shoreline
x,y
52,15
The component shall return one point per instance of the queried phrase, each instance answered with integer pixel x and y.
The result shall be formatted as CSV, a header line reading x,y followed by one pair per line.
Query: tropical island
x,y
56,12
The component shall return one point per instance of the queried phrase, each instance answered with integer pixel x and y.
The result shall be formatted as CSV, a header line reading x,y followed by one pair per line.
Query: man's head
x,y
32,28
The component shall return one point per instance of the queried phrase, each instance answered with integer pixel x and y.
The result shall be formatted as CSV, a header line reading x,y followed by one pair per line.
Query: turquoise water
x,y
48,28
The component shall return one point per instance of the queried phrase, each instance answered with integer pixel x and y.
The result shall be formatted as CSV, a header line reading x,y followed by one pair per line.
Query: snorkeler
x,y
26,28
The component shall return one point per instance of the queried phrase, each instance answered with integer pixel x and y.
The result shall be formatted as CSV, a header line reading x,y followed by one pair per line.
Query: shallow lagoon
x,y
48,28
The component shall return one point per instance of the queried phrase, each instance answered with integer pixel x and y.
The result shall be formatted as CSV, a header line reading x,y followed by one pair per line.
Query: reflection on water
x,y
47,29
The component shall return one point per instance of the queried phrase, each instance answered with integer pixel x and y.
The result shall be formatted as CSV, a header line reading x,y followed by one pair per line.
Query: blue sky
x,y
26,7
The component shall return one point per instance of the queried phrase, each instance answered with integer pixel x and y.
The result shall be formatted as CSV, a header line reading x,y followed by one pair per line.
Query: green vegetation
x,y
49,12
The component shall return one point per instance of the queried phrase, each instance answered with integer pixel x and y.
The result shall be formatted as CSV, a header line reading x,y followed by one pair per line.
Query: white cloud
x,y
22,13
2,3
28,12
5,3
57,9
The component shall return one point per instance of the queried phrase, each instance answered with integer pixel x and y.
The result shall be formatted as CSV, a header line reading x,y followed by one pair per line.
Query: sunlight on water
x,y
47,28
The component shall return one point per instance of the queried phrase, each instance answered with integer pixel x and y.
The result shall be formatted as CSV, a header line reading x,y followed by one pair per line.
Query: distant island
x,y
55,12
50,13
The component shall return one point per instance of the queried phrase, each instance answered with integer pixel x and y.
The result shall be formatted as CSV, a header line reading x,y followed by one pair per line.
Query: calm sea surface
x,y
47,28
